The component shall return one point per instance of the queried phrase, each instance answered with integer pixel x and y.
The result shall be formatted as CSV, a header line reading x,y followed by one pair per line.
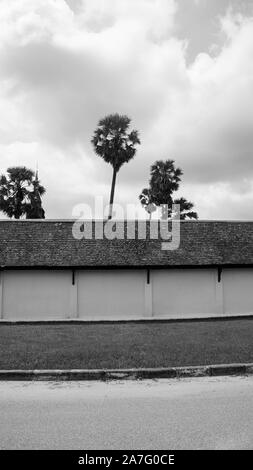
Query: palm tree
x,y
113,142
19,191
164,181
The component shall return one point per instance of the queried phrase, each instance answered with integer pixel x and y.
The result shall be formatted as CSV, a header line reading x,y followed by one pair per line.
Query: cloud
x,y
71,74
65,64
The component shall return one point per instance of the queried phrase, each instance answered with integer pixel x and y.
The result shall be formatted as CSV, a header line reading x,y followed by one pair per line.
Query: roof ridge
x,y
126,220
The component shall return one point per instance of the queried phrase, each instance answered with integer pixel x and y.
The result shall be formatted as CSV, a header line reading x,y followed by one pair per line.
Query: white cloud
x,y
63,65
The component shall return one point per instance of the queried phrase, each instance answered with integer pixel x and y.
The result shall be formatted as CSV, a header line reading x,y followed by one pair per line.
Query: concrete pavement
x,y
199,413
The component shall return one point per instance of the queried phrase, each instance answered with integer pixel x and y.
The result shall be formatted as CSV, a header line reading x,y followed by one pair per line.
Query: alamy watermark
x,y
88,226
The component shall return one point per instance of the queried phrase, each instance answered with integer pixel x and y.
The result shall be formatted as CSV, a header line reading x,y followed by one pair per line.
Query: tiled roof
x,y
51,243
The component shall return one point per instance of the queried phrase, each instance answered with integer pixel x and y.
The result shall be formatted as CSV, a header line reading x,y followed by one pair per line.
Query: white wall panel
x,y
185,292
111,293
238,291
36,295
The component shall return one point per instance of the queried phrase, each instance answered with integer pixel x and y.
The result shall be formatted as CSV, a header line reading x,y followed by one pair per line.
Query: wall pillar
x,y
148,295
219,291
73,296
1,294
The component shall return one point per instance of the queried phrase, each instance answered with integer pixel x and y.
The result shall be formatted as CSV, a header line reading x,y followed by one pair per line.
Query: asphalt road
x,y
214,413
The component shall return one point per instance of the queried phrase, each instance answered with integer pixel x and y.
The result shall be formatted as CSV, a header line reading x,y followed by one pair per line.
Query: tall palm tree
x,y
113,142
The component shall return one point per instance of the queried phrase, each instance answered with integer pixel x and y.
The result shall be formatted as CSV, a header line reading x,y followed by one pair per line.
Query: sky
x,y
182,70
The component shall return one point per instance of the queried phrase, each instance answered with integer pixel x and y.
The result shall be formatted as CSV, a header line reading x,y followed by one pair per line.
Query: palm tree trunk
x,y
112,193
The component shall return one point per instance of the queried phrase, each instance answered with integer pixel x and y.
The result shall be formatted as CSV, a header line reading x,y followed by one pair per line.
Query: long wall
x,y
124,294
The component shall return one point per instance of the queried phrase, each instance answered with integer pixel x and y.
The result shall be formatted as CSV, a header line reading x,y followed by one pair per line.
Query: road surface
x,y
202,413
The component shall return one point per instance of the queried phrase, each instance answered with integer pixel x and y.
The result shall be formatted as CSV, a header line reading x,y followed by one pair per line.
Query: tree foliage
x,y
113,142
164,181
20,193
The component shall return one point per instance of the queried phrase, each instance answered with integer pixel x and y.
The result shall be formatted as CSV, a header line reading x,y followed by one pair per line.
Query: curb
x,y
127,374
108,321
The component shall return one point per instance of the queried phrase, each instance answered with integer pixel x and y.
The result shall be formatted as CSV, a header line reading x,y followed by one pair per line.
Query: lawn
x,y
125,345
